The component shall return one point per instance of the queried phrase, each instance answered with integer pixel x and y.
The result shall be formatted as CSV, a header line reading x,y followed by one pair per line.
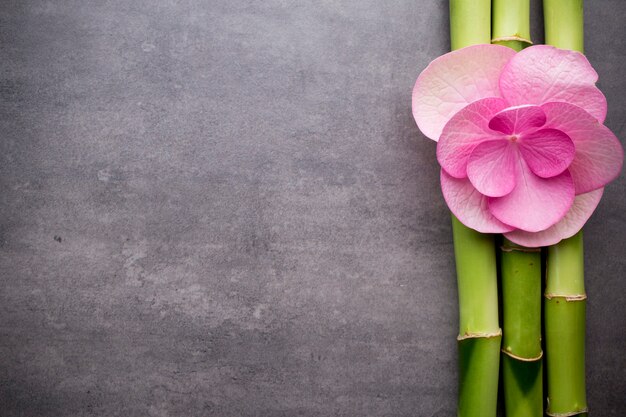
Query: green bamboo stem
x,y
479,331
470,22
520,270
511,23
563,24
565,301
565,298
477,281
520,267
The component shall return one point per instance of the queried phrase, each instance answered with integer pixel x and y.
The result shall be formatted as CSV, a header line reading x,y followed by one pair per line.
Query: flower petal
x,y
518,119
469,206
464,131
541,74
548,152
582,208
599,154
491,167
535,203
454,80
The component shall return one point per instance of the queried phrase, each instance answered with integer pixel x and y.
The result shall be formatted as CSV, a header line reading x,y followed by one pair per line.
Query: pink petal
x,y
535,203
584,205
464,131
454,80
469,206
541,74
599,154
518,119
548,152
491,167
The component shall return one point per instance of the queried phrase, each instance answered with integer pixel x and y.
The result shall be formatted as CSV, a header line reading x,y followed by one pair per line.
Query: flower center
x,y
513,138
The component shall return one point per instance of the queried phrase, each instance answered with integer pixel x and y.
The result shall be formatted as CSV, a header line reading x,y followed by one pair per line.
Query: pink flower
x,y
521,143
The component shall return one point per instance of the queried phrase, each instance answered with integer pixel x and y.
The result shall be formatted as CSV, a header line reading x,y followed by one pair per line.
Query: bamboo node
x,y
521,358
568,297
477,335
509,248
569,413
511,38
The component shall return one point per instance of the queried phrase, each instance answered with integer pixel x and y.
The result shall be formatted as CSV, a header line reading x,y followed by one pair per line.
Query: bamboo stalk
x,y
479,332
520,267
565,298
520,270
470,22
563,24
511,23
565,301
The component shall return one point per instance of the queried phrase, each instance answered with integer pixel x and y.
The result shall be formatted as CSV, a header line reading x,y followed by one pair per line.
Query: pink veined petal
x,y
548,152
469,206
535,203
464,131
491,167
454,80
582,208
515,120
541,74
599,154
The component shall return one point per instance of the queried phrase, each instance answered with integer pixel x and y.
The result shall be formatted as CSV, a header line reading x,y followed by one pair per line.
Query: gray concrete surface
x,y
224,208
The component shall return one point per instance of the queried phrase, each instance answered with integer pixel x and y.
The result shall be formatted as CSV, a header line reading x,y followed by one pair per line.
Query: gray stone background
x,y
224,208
